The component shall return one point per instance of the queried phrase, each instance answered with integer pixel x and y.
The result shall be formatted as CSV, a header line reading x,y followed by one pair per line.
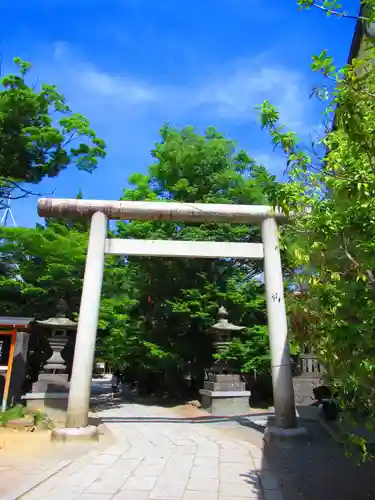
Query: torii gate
x,y
100,211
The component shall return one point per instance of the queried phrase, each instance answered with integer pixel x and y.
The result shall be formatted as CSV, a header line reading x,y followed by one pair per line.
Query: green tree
x,y
154,313
175,300
39,265
331,239
39,134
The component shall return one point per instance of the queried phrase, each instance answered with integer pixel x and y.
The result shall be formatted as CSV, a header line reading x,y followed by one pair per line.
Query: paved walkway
x,y
159,456
154,454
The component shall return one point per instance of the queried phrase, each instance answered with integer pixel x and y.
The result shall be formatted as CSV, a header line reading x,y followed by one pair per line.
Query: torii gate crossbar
x,y
100,211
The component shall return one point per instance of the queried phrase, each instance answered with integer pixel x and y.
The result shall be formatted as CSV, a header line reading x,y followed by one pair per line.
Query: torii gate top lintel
x,y
158,210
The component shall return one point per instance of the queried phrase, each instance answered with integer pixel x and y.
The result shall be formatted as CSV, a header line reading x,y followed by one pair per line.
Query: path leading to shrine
x,y
158,454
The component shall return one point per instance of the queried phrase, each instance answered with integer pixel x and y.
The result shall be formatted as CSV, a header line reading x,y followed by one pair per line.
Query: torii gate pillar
x,y
84,352
282,382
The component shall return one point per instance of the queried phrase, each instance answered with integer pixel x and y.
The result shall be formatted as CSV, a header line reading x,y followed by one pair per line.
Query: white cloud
x,y
249,83
230,93
91,81
112,86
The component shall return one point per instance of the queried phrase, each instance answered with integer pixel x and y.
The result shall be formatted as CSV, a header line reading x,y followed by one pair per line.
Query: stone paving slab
x,y
29,481
165,459
18,475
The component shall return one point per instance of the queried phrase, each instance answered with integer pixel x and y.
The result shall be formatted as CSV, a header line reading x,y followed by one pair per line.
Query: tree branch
x,y
69,139
368,272
9,185
337,13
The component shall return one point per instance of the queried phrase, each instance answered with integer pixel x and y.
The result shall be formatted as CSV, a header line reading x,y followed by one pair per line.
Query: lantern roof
x,y
60,320
223,324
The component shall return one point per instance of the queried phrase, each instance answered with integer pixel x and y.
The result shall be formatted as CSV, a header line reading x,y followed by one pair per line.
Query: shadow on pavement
x,y
252,478
186,420
315,468
105,401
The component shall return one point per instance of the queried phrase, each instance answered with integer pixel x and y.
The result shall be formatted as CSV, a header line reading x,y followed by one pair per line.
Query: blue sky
x,y
131,65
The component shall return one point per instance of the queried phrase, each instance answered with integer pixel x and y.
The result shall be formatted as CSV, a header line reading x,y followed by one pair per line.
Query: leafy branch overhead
x,y
335,8
40,134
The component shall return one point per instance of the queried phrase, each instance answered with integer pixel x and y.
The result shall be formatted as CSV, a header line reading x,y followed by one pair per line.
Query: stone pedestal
x,y
65,435
51,391
53,404
276,434
225,395
51,382
49,395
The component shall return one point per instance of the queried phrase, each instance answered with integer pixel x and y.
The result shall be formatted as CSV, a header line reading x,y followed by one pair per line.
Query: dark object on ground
x,y
261,390
330,410
324,396
322,392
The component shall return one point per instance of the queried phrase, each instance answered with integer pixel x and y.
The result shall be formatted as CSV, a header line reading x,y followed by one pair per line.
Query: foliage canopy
x,y
40,134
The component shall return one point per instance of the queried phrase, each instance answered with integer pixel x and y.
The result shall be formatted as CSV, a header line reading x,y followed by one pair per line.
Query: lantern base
x,y
224,382
225,403
53,404
51,382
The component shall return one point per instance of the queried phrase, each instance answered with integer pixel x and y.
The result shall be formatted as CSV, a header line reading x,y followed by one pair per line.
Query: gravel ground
x,y
319,470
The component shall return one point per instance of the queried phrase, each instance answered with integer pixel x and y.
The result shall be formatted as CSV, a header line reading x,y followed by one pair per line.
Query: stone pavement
x,y
17,476
158,455
154,454
23,473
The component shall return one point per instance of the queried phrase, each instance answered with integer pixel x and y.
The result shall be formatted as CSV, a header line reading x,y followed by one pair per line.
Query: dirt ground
x,y
21,443
190,411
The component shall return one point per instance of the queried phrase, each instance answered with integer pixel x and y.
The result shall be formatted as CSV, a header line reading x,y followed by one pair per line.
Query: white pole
x,y
282,382
80,384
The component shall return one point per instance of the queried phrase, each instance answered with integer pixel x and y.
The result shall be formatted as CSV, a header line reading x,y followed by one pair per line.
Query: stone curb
x,y
269,486
272,495
40,479
335,434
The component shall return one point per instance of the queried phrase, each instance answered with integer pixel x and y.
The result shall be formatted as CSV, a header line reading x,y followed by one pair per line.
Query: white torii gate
x,y
100,211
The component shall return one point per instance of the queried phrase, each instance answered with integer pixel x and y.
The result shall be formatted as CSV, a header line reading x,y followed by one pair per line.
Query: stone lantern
x,y
222,334
50,392
58,338
224,394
